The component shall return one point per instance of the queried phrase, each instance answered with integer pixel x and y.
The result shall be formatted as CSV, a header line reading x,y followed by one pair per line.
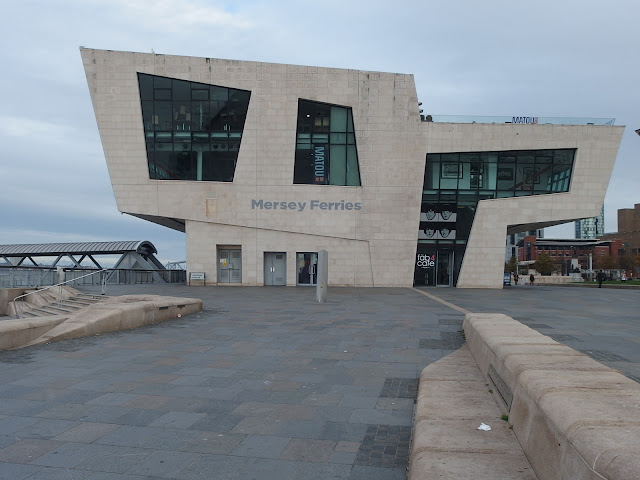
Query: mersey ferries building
x,y
263,165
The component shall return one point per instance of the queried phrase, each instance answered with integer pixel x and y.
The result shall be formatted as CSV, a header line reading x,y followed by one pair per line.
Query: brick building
x,y
569,253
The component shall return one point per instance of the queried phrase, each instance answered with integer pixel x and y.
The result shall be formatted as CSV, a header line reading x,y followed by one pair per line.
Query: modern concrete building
x,y
263,165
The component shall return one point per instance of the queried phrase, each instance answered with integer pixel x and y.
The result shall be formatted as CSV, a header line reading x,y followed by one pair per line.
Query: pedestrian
x,y
624,277
515,277
600,277
531,279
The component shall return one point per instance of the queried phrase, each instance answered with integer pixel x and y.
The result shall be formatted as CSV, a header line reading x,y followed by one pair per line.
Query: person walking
x,y
600,277
532,279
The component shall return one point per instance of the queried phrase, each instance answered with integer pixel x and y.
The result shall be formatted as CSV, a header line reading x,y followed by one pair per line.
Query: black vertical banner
x,y
320,163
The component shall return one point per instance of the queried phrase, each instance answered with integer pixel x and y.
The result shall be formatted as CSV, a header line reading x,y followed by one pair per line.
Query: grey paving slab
x,y
321,471
24,451
214,442
86,432
68,455
261,446
162,463
226,467
46,428
267,469
51,473
17,471
114,459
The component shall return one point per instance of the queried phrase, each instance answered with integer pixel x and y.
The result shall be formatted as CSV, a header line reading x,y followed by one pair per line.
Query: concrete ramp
x,y
114,314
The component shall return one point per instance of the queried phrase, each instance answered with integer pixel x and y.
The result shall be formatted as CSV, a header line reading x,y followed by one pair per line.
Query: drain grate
x,y
385,446
561,337
400,388
602,356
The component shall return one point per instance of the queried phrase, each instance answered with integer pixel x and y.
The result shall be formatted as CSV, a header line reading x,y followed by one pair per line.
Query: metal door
x,y
306,265
275,268
230,266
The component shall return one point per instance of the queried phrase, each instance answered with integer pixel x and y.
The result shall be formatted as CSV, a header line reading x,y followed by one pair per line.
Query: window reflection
x,y
325,146
193,130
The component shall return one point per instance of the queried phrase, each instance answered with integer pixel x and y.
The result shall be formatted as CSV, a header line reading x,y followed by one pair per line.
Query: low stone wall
x,y
115,314
574,417
7,296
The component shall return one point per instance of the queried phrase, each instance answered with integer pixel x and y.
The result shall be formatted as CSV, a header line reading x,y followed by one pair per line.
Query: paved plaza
x,y
266,383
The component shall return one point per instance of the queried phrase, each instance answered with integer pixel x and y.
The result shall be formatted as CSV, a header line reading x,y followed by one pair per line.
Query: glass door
x,y
445,266
306,268
230,266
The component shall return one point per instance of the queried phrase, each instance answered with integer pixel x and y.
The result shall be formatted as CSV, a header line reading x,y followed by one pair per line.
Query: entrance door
x,y
230,266
445,266
275,268
306,267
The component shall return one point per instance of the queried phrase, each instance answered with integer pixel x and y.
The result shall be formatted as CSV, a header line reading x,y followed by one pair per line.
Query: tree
x,y
605,262
511,265
544,265
627,262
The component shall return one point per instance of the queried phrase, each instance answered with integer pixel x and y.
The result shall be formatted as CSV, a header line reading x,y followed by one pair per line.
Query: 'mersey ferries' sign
x,y
302,206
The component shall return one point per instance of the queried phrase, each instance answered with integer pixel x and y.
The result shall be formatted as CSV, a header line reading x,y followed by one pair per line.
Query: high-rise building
x,y
590,228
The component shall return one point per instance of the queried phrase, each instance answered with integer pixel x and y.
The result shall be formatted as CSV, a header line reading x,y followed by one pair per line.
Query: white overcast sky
x,y
552,58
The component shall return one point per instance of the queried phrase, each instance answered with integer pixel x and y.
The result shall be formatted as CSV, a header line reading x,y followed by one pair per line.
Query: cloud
x,y
24,127
178,16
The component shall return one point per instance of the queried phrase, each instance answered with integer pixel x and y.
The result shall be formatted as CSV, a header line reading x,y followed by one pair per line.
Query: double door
x,y
230,266
275,268
434,268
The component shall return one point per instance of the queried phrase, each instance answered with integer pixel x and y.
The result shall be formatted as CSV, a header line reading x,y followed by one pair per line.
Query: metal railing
x,y
59,285
11,277
517,120
34,277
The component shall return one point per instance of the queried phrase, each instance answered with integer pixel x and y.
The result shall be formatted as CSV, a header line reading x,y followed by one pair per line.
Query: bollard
x,y
322,277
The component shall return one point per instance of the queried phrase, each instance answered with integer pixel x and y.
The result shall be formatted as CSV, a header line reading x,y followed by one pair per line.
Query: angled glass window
x,y
454,183
193,130
326,151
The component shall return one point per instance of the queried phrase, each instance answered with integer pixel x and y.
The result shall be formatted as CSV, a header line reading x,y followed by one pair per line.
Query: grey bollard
x,y
322,277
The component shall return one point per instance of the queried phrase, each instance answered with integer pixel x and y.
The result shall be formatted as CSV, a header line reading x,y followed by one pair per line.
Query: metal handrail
x,y
21,297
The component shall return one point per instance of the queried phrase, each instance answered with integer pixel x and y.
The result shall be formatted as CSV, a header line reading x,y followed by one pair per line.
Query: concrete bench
x,y
453,400
574,417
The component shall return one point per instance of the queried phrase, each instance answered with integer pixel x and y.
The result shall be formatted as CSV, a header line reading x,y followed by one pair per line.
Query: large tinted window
x,y
454,183
325,145
193,130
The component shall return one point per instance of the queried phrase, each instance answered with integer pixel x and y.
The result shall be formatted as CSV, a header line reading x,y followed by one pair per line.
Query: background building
x,y
514,239
589,228
263,165
629,235
569,254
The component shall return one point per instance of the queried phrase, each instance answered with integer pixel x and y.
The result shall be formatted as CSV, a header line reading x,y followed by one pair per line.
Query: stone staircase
x,y
53,301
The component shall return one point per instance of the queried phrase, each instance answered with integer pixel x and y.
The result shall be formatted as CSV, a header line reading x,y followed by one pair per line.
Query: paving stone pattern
x,y
603,323
448,341
385,446
400,388
265,383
